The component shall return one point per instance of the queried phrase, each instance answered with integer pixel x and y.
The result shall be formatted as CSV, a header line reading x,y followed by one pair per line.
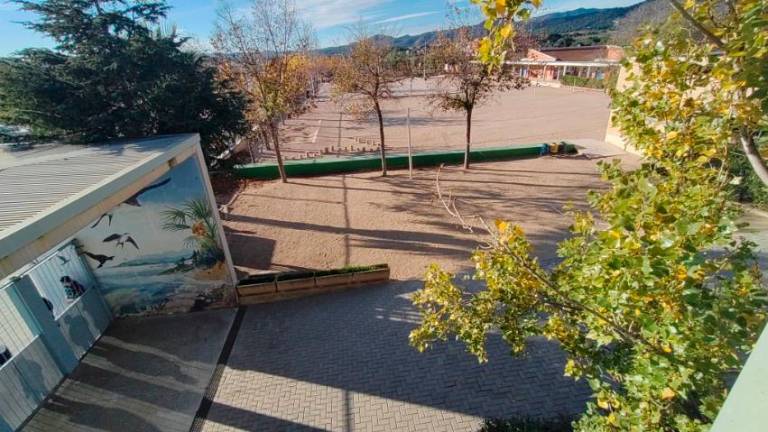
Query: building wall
x,y
161,250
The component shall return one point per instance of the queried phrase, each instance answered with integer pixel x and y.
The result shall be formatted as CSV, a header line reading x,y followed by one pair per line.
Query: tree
x,y
739,32
112,76
265,53
467,83
654,301
368,70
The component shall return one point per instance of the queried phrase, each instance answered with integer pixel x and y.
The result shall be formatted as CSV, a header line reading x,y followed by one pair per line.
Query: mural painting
x,y
159,251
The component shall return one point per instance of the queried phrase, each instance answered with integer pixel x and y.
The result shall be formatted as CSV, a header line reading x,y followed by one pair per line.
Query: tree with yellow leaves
x,y
657,303
265,52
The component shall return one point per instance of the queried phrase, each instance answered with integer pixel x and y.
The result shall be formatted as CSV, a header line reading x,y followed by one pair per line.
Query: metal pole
x,y
410,155
338,142
425,62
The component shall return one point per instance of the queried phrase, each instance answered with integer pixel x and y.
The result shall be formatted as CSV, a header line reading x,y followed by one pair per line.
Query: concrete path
x,y
341,362
143,375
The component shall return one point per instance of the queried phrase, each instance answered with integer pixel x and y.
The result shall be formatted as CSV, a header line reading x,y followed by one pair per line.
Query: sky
x,y
331,18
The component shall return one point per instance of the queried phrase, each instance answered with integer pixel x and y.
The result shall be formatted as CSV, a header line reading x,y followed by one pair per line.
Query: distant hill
x,y
571,28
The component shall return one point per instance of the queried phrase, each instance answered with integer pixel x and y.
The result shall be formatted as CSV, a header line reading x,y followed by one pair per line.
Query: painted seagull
x,y
101,259
134,200
105,215
121,240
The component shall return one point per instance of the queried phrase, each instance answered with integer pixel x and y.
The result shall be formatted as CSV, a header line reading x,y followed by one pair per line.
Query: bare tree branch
x,y
696,23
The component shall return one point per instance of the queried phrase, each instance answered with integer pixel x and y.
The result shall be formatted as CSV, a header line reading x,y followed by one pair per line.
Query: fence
x,y
331,129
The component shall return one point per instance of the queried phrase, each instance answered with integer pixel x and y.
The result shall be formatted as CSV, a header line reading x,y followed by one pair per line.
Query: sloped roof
x,y
63,180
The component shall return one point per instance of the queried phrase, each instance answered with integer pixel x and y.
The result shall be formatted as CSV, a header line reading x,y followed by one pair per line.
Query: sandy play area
x,y
532,115
355,219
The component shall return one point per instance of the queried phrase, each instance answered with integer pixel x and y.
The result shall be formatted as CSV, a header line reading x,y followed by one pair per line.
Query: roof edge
x,y
21,235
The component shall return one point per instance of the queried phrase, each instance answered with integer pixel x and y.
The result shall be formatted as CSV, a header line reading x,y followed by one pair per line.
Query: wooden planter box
x,y
378,275
334,280
257,289
295,284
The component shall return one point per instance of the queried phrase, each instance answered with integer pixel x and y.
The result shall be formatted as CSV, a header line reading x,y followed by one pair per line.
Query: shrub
x,y
526,424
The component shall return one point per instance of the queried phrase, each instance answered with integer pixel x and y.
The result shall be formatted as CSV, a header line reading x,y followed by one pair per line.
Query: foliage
x,y
608,81
196,216
369,70
562,424
112,76
267,59
654,301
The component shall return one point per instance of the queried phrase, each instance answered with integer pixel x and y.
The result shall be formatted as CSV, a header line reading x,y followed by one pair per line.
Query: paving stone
x,y
341,362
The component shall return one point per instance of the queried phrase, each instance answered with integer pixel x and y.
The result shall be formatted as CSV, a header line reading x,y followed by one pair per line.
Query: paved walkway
x,y
144,375
341,362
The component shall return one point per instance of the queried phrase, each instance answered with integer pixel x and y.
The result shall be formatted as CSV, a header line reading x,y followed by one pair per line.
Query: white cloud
x,y
329,13
406,17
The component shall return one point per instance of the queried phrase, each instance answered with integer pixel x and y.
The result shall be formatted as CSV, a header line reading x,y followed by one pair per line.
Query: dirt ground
x,y
358,219
532,115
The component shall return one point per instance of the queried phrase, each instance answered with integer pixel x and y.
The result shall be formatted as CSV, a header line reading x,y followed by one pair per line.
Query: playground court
x,y
533,115
363,218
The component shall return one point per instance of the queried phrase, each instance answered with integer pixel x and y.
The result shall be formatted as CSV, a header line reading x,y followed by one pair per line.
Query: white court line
x,y
317,132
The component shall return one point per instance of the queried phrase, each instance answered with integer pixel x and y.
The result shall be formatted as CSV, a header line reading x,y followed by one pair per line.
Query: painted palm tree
x,y
196,216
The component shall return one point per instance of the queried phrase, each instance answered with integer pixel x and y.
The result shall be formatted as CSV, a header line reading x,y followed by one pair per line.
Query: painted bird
x,y
134,200
62,259
105,215
101,259
121,240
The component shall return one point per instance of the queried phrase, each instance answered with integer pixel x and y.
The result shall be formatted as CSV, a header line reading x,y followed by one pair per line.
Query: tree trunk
x,y
276,141
250,149
753,155
264,135
381,138
469,138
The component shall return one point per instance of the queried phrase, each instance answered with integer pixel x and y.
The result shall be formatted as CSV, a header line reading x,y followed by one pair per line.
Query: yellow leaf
x,y
667,393
501,6
672,135
506,31
502,226
682,273
485,48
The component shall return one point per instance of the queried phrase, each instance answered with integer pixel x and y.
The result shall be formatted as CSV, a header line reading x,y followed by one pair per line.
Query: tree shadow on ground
x,y
357,342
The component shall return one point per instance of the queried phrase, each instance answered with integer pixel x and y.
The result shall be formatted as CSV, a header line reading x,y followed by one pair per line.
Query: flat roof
x,y
560,63
581,48
42,186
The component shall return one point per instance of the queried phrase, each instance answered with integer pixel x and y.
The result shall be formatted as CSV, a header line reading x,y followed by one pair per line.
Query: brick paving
x,y
341,362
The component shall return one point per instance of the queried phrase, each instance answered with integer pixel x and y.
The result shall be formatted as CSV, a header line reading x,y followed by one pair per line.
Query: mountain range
x,y
578,27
